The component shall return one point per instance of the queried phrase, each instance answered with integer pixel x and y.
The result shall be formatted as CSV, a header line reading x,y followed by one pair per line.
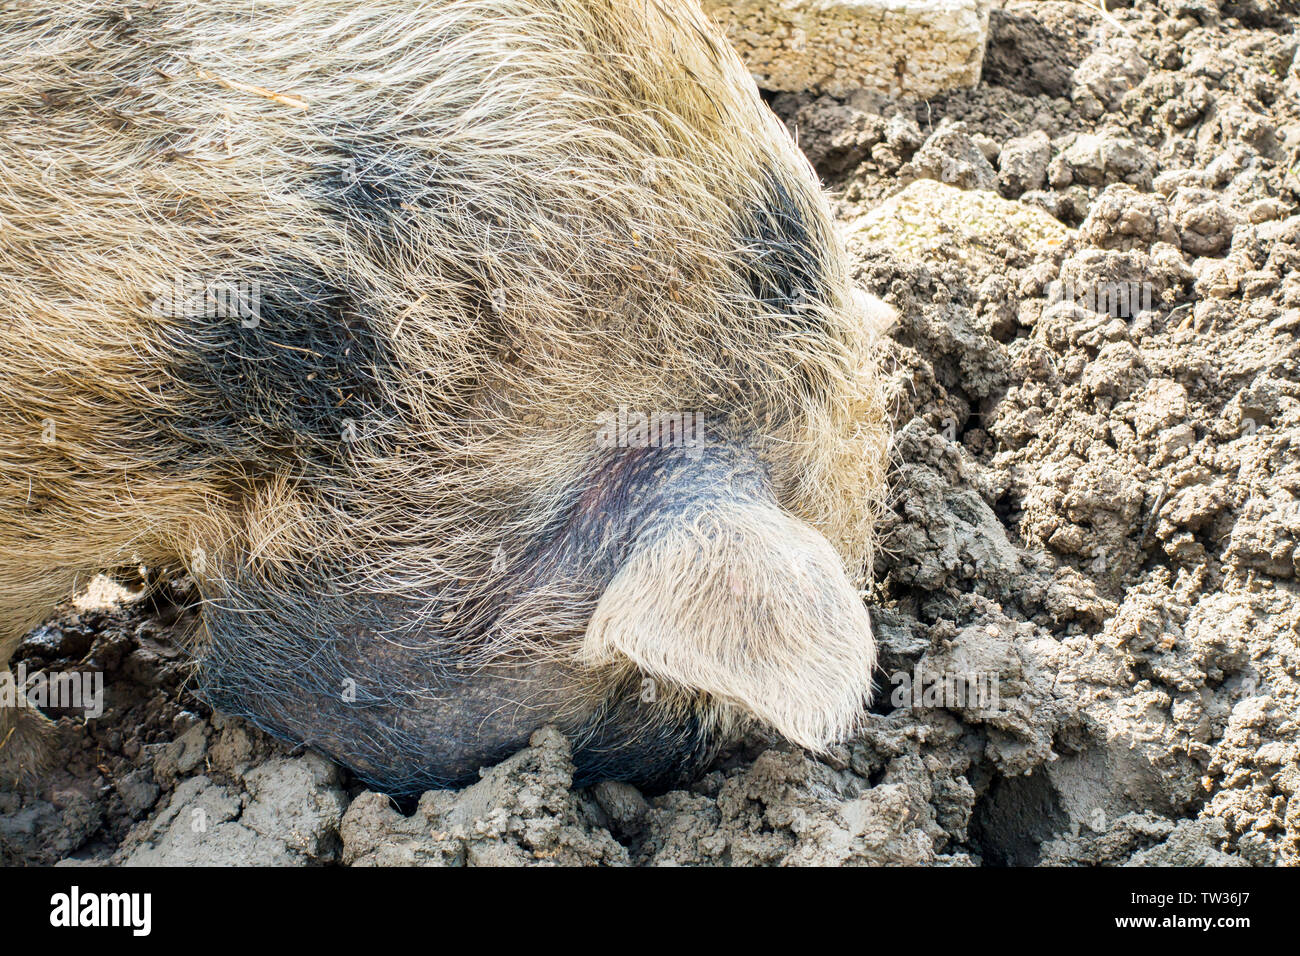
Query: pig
x,y
488,364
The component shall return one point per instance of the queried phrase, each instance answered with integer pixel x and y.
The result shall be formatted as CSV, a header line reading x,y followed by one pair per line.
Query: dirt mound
x,y
1096,510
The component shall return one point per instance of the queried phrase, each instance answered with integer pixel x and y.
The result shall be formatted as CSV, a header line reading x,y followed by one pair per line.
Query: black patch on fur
x,y
636,742
294,366
378,181
384,195
297,652
786,271
375,190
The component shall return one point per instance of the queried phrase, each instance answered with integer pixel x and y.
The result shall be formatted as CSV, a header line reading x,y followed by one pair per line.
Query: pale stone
x,y
933,221
897,47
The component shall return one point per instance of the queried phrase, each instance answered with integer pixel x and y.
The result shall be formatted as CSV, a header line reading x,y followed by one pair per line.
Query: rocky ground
x,y
1096,259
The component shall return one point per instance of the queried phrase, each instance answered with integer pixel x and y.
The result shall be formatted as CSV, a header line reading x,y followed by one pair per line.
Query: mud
x,y
1096,504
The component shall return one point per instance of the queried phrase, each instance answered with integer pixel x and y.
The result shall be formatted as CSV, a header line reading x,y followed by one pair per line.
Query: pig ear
x,y
751,606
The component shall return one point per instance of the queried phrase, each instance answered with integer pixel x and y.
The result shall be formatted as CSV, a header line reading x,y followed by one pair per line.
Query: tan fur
x,y
601,150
